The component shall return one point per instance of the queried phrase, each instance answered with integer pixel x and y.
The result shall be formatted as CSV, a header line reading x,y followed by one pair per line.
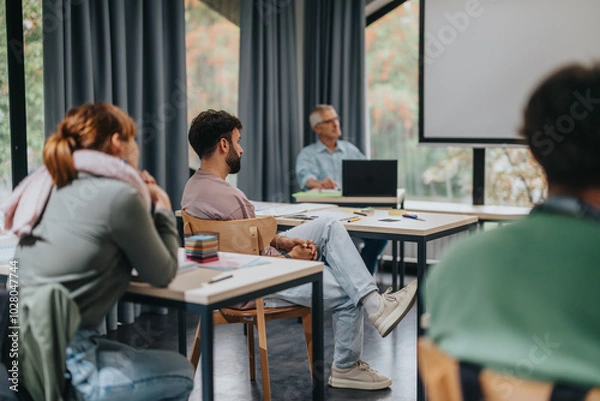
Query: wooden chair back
x,y
248,236
441,378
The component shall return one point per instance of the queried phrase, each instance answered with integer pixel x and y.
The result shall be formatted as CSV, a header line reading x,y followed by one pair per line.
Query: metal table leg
x,y
318,370
207,334
182,328
421,266
402,264
394,265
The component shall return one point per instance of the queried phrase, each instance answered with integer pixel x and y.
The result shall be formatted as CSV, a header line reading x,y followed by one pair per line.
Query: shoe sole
x,y
356,385
394,318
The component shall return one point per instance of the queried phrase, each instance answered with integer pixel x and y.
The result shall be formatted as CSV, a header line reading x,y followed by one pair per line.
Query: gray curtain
x,y
268,99
334,64
129,53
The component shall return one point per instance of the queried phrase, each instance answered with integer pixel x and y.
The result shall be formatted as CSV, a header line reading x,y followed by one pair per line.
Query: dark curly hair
x,y
208,128
561,123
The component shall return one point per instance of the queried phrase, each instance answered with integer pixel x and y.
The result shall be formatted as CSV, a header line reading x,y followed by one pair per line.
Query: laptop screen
x,y
369,177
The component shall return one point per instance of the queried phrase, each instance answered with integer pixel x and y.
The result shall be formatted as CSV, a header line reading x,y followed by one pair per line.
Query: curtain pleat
x,y
129,53
334,65
268,99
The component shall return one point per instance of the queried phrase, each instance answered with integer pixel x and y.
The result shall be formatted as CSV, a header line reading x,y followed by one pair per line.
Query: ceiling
x,y
230,9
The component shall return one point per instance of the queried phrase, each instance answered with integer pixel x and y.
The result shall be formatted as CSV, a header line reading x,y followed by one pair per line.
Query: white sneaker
x,y
360,376
393,308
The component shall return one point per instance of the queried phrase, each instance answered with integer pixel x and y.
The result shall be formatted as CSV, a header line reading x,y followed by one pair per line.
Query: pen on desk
x,y
350,219
220,277
412,216
360,213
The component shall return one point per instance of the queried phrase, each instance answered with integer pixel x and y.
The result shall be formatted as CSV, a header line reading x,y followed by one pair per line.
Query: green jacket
x,y
49,318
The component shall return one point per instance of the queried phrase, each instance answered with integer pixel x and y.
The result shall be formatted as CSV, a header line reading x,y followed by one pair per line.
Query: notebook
x,y
369,177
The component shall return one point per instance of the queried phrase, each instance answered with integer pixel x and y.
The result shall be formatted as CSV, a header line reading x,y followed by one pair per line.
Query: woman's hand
x,y
157,194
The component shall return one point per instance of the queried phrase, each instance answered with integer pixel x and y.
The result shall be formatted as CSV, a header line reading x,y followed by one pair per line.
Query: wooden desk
x,y
435,225
190,291
388,201
483,212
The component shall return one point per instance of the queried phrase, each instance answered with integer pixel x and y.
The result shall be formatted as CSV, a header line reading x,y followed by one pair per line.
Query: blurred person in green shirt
x,y
523,299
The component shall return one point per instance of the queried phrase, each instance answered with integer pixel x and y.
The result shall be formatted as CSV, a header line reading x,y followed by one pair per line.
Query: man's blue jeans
x,y
346,281
101,369
371,251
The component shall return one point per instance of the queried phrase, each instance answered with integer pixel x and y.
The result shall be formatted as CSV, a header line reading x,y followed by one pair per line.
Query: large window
x,y
392,53
34,81
212,45
513,177
428,172
34,94
5,166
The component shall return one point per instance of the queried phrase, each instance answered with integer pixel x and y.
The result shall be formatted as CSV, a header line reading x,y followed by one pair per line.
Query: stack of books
x,y
202,248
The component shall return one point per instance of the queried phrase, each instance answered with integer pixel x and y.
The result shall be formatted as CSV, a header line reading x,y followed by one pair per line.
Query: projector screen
x,y
480,60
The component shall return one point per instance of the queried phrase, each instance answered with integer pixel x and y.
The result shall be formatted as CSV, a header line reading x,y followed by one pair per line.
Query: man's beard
x,y
234,161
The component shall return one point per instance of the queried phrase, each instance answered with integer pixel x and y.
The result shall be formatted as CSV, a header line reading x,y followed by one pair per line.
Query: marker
x,y
412,216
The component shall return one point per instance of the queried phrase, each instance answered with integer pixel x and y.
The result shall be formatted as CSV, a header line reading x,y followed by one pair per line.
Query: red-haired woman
x,y
85,221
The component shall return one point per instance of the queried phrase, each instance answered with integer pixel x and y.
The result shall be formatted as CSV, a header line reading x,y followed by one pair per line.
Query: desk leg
x,y
182,326
402,264
207,334
318,370
421,266
394,266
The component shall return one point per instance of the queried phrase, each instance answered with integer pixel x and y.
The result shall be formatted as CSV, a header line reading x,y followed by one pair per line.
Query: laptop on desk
x,y
369,177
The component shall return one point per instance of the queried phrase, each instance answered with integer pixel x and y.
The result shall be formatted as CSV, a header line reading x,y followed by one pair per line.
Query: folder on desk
x,y
318,194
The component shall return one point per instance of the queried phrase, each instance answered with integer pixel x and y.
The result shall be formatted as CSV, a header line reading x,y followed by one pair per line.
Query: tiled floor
x,y
290,377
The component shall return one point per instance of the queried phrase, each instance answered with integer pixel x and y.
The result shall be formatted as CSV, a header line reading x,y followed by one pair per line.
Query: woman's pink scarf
x,y
26,204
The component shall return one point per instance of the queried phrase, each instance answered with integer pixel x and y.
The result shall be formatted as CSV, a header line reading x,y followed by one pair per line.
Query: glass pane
x,y
513,177
34,82
392,53
5,158
212,59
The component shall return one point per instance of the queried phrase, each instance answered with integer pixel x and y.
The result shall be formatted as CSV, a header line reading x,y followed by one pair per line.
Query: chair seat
x,y
274,313
441,377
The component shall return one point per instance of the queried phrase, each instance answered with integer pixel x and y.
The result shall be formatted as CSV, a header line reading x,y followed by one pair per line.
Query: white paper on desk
x,y
187,265
234,261
259,206
334,213
286,210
